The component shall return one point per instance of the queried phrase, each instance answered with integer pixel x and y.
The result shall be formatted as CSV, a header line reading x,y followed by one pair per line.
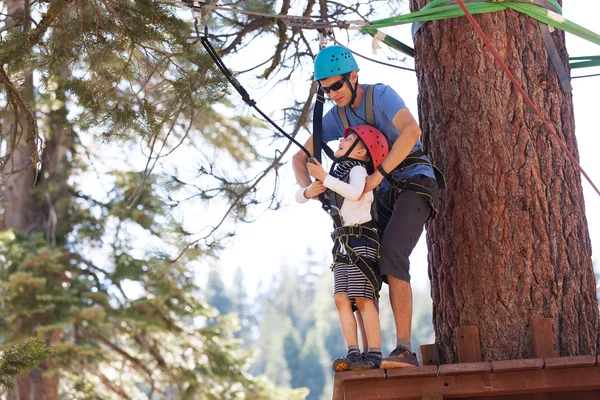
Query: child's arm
x,y
351,190
305,194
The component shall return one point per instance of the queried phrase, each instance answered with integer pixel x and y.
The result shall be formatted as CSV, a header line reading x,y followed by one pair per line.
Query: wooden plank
x,y
412,372
569,362
369,374
428,353
369,377
467,342
338,389
542,338
586,395
566,380
432,396
465,368
518,365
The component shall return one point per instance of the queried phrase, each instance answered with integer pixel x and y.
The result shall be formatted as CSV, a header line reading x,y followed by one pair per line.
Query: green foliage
x,y
21,357
101,268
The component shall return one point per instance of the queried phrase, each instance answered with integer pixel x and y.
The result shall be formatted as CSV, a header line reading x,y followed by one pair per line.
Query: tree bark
x,y
38,211
511,241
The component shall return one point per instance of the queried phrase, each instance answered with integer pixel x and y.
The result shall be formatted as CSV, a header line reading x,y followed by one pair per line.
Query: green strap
x,y
436,10
583,62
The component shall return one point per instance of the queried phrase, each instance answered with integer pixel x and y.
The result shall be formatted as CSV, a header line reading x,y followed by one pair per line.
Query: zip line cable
x,y
372,59
518,86
314,22
240,89
584,76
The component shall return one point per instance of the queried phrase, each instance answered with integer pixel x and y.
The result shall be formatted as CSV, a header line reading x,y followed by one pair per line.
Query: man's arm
x,y
410,132
299,161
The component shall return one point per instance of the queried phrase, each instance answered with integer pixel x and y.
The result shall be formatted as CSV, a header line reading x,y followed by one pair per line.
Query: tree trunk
x,y
511,241
38,211
23,211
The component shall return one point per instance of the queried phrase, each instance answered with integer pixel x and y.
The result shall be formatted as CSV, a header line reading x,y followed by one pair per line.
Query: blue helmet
x,y
332,61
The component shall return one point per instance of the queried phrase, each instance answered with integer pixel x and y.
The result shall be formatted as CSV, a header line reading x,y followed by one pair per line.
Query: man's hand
x,y
315,189
315,169
373,181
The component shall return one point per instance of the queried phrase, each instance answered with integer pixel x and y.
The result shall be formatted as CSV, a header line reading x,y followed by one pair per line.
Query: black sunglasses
x,y
335,86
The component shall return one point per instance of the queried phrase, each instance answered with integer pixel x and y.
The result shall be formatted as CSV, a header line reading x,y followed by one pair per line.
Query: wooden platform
x,y
545,377
552,378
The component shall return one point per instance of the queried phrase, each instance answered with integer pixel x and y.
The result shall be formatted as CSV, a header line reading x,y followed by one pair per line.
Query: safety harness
x,y
415,157
343,250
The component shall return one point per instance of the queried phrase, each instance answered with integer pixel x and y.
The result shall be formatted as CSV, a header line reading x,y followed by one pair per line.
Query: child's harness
x,y
343,250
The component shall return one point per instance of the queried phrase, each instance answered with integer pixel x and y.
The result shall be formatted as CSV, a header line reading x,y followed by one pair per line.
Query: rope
x,y
372,59
584,76
299,21
518,86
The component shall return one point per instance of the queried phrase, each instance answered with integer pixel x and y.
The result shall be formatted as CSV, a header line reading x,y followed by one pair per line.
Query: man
x,y
402,212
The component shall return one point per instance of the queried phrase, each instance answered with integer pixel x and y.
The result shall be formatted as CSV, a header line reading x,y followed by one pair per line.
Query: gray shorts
x,y
401,230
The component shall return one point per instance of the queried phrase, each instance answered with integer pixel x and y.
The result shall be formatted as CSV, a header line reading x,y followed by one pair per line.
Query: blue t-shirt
x,y
387,103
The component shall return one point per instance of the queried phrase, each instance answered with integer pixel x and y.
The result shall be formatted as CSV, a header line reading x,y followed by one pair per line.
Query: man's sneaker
x,y
370,361
343,363
400,358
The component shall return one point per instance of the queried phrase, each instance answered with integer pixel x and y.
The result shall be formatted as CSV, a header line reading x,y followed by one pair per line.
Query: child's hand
x,y
315,189
315,169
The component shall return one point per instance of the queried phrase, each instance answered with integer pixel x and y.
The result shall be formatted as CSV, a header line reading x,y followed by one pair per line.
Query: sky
x,y
283,236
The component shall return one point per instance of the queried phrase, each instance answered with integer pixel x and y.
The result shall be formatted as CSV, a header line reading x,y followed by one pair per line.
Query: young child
x,y
356,242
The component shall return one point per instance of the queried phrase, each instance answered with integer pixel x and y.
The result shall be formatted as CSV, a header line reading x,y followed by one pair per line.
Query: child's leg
x,y
363,332
348,325
347,321
370,317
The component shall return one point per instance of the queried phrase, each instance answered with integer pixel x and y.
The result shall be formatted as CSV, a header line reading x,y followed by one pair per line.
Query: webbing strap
x,y
559,67
369,109
415,158
367,229
317,137
343,116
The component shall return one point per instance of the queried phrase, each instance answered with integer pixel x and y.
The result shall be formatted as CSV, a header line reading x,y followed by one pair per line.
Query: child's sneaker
x,y
370,361
343,363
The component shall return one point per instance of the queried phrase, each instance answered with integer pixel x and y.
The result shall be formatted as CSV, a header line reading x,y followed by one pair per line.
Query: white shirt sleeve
x,y
355,186
300,196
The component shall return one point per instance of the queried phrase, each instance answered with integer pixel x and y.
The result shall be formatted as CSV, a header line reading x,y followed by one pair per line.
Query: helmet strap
x,y
354,90
346,157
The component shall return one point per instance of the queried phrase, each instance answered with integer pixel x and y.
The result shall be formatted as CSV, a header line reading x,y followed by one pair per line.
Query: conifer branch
x,y
22,357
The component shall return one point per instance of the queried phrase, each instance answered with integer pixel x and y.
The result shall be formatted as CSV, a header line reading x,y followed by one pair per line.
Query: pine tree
x,y
216,293
20,358
243,307
97,257
98,268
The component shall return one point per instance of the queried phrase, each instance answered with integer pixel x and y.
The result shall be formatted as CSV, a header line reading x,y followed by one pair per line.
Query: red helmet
x,y
375,141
